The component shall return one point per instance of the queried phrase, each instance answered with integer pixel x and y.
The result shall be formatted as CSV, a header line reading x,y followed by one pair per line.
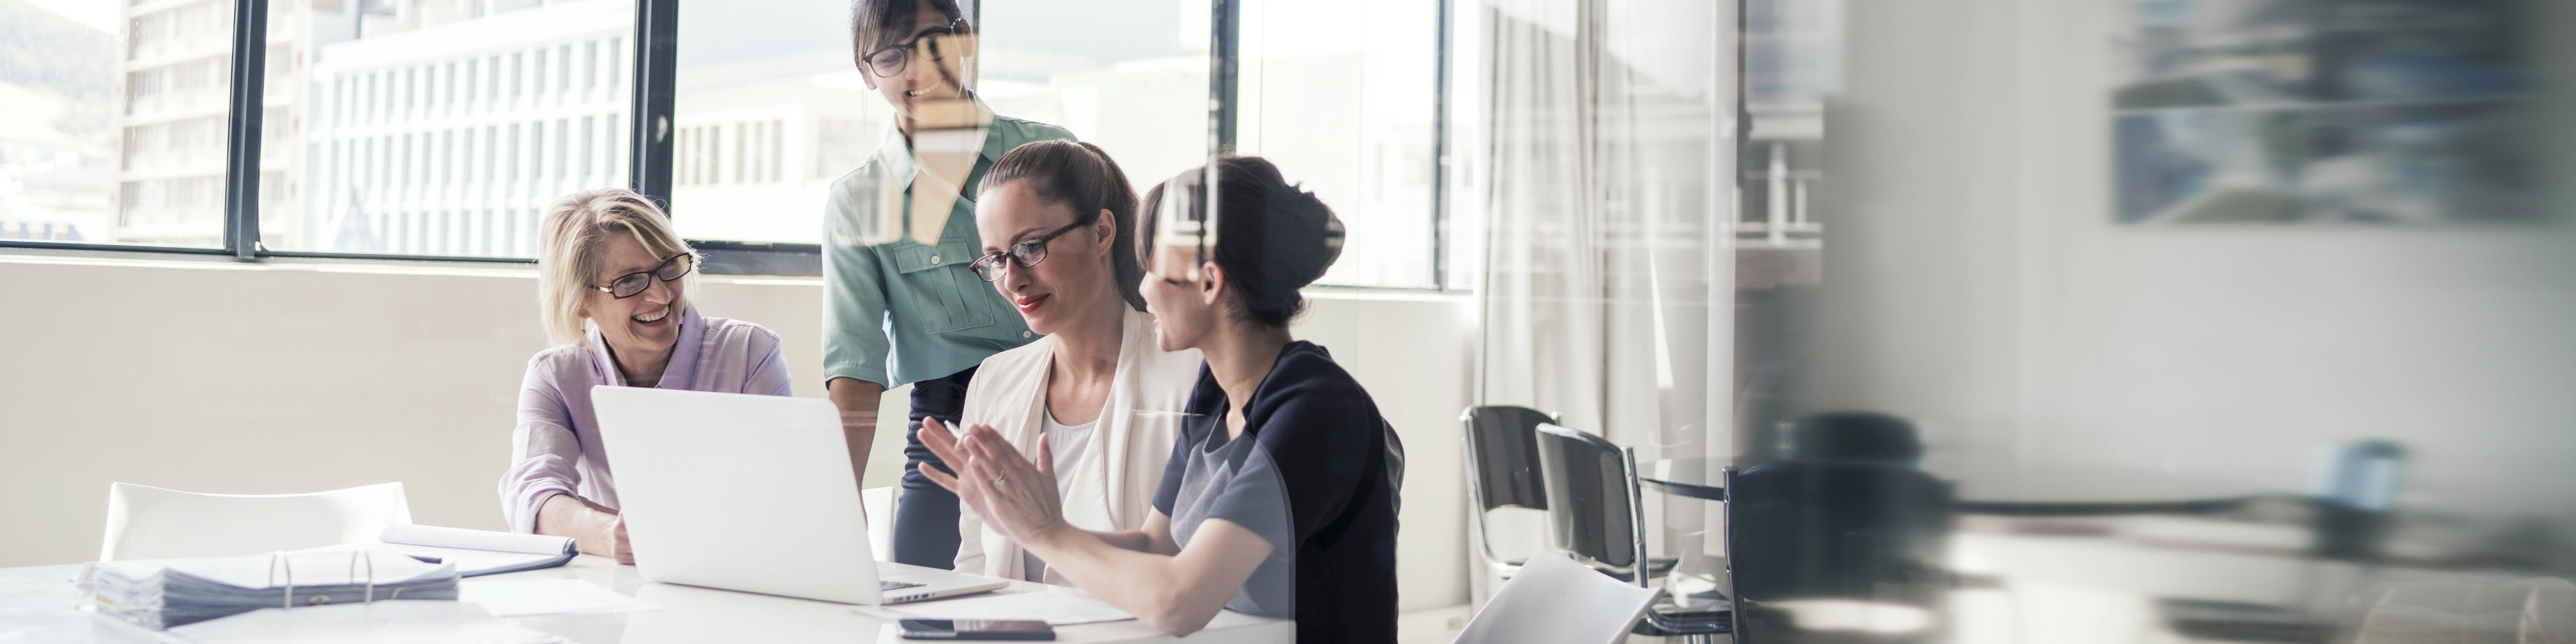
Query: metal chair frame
x,y
1640,566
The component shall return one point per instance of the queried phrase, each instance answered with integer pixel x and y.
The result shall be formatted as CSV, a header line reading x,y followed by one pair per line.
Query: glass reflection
x,y
1993,368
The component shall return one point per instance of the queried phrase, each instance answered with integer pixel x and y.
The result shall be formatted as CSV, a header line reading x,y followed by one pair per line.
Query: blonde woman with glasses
x,y
612,292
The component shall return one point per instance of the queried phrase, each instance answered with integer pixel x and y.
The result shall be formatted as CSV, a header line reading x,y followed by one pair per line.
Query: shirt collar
x,y
677,374
895,152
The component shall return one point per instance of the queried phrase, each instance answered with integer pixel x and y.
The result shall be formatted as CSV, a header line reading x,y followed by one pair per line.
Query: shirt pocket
x,y
940,275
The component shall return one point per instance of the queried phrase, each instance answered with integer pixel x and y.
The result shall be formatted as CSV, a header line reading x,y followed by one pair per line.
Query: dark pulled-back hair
x,y
1272,238
877,24
1085,180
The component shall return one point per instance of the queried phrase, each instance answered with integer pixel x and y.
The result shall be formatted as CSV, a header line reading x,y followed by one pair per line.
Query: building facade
x,y
445,128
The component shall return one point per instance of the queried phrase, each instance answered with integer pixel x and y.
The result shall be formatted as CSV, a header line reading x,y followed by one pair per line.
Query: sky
x,y
95,13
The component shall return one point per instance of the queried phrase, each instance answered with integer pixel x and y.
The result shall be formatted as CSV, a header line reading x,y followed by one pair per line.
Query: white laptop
x,y
751,493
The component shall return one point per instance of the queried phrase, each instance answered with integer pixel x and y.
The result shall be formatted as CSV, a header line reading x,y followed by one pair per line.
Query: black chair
x,y
1846,515
1502,465
1599,517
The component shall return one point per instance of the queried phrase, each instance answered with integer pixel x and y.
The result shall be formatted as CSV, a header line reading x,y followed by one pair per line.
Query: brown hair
x,y
876,24
1080,177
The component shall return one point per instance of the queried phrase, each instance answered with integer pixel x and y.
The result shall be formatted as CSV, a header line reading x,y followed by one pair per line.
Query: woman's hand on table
x,y
595,529
618,546
1013,495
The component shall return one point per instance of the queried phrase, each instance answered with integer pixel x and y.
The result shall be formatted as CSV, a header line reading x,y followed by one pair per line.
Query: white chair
x,y
1553,600
880,502
145,522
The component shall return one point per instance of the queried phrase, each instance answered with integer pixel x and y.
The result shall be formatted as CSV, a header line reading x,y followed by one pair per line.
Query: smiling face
x,y
1185,312
921,83
1074,278
645,323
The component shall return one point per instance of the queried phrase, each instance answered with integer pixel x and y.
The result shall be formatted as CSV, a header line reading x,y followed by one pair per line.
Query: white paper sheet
x,y
1556,601
517,597
1056,608
476,552
475,562
385,622
445,537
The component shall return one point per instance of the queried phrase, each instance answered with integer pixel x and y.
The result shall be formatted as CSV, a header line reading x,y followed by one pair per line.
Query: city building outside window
x,y
440,127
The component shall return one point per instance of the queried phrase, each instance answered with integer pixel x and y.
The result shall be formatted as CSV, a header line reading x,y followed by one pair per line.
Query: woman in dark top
x,y
1281,506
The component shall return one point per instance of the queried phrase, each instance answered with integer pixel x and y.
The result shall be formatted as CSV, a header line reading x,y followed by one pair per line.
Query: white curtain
x,y
1600,160
1596,150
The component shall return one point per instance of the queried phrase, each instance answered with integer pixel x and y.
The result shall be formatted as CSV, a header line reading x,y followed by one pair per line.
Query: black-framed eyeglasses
x,y
1027,253
632,283
889,61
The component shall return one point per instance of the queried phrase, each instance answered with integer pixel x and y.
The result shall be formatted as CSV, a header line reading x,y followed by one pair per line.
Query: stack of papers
x,y
477,552
162,593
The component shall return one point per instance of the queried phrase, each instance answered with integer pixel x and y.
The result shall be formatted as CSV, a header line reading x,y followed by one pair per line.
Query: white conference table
x,y
38,604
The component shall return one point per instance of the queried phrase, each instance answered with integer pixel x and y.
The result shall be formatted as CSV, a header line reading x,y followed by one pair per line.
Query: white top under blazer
x,y
1110,485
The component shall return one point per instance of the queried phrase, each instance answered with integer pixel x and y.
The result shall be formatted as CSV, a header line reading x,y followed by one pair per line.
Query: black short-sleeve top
x,y
1308,475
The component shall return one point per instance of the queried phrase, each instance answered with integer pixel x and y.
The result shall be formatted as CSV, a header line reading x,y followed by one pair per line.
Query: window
x,y
373,144
1141,95
1346,107
86,163
767,117
388,143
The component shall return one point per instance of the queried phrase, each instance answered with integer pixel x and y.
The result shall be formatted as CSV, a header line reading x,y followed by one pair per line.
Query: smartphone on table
x,y
975,629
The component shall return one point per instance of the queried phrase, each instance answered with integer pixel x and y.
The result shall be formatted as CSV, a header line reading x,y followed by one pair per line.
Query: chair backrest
x,y
1557,601
1502,449
1590,495
1869,531
145,522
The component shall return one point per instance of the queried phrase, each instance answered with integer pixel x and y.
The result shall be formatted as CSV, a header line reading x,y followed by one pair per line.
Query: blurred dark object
x,y
2356,497
1846,515
1502,458
1855,437
2075,509
2238,622
1593,495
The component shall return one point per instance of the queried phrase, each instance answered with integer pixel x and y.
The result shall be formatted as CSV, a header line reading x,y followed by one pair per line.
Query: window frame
x,y
656,52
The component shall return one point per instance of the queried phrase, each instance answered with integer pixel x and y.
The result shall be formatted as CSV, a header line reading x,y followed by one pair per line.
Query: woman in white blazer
x,y
1096,396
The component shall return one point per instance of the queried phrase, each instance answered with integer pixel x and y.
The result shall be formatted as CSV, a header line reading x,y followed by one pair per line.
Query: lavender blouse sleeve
x,y
542,451
769,370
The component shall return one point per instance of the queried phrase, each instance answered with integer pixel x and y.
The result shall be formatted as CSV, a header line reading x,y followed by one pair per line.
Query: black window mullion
x,y
1225,45
657,47
241,161
1440,150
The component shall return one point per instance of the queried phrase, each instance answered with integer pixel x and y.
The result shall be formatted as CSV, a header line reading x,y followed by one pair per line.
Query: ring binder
x,y
164,593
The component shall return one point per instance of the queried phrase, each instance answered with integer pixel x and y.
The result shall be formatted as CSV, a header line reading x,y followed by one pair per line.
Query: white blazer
x,y
1113,487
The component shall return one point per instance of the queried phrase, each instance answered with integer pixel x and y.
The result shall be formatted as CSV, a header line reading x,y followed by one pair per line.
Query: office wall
x,y
217,376
1975,281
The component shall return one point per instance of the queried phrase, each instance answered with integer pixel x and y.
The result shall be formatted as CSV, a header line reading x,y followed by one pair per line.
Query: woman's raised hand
x,y
1011,494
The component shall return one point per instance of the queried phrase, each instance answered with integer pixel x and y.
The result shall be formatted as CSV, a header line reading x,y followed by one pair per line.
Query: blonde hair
x,y
568,242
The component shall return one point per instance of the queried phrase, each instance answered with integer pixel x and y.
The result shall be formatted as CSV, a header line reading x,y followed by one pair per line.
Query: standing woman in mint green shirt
x,y
900,305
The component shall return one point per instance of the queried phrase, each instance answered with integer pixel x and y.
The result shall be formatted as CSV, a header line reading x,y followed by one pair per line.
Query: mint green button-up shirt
x,y
902,312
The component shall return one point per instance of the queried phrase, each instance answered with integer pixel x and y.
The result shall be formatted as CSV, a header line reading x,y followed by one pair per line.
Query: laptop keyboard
x,y
894,585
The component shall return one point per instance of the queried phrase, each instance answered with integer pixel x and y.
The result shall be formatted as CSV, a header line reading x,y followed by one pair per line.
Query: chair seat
x,y
1655,567
1687,622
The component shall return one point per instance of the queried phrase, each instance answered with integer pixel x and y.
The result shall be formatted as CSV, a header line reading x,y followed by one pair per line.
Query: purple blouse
x,y
556,449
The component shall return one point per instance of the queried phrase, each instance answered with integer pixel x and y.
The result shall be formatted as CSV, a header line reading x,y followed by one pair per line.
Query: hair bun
x,y
1310,225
